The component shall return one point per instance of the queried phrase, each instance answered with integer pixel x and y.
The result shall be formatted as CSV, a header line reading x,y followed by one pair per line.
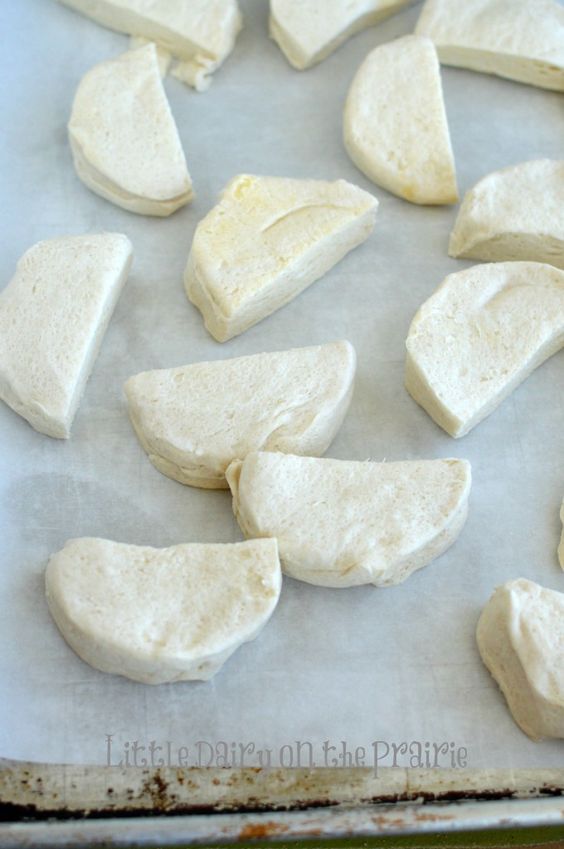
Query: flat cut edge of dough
x,y
427,398
104,186
444,197
35,414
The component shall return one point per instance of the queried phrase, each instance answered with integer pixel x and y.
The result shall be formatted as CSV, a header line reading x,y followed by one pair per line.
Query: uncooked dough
x,y
157,615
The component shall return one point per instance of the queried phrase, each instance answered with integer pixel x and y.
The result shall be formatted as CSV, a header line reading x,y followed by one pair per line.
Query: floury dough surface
x,y
408,653
513,214
200,34
309,32
161,615
483,332
345,524
116,151
520,636
518,39
195,420
396,130
53,316
267,239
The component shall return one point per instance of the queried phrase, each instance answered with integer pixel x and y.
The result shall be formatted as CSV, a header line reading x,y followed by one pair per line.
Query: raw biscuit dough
x,y
479,336
199,34
157,615
267,239
522,40
123,137
53,317
342,523
521,640
194,420
308,32
395,124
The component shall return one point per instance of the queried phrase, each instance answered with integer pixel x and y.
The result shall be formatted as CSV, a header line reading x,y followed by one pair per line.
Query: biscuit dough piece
x,y
193,421
479,336
514,214
158,615
164,58
521,640
199,34
522,40
395,125
308,32
267,239
53,317
343,523
124,141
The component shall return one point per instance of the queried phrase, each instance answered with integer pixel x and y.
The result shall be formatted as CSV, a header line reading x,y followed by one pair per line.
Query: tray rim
x,y
391,820
53,805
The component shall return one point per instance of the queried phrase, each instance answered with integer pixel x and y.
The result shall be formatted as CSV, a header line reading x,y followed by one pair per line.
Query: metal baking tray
x,y
364,666
73,805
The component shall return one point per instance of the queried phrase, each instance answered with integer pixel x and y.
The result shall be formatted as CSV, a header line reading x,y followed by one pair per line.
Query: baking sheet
x,y
359,665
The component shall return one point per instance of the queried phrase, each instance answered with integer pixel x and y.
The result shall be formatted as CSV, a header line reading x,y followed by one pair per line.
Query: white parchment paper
x,y
358,665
